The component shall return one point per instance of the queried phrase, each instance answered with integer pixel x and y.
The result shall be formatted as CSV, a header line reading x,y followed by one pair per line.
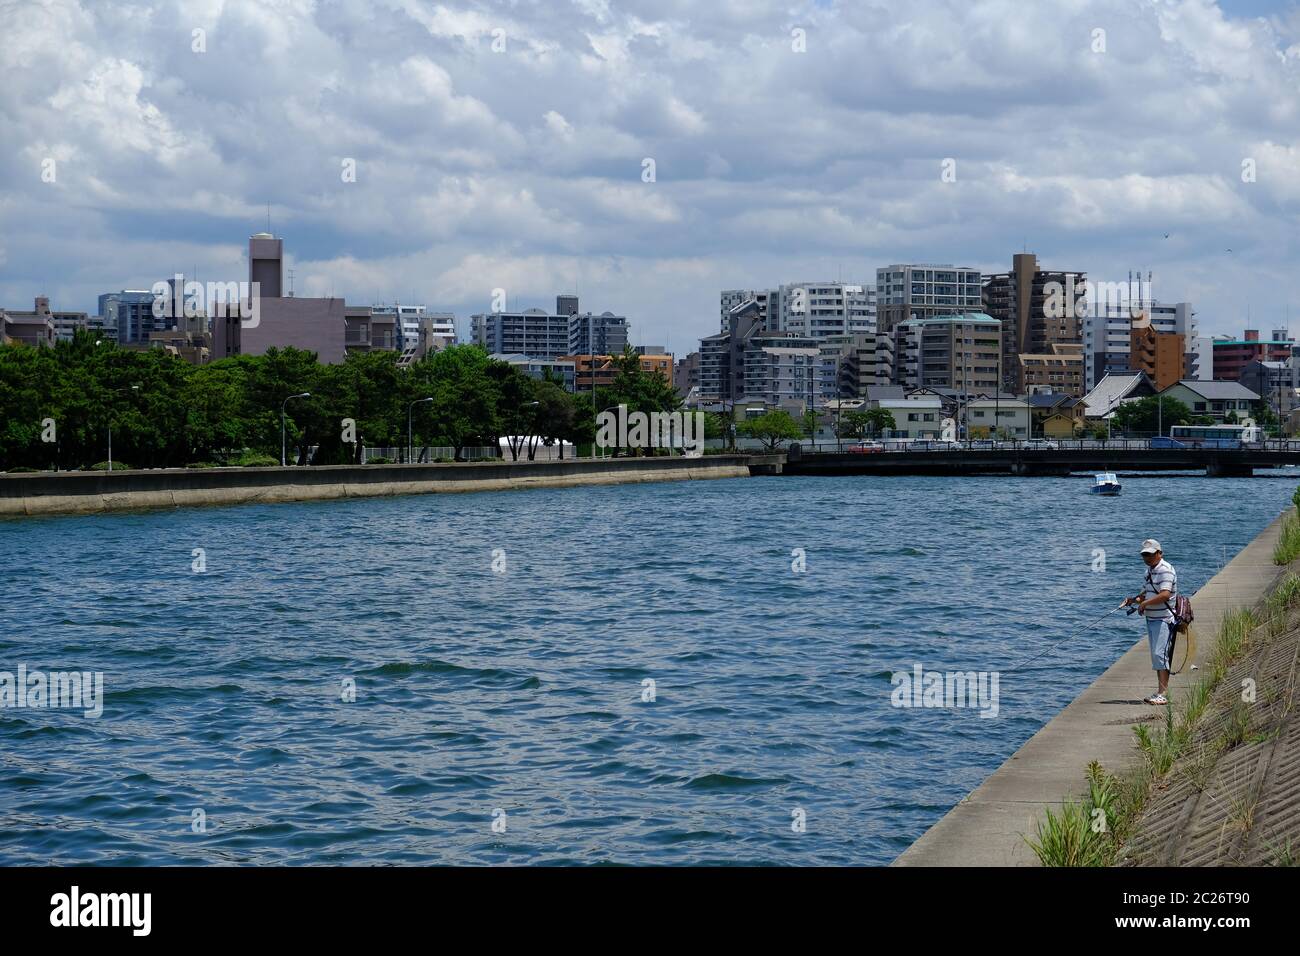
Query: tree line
x,y
59,405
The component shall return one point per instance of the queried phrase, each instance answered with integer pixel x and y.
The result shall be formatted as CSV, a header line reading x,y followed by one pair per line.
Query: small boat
x,y
1106,483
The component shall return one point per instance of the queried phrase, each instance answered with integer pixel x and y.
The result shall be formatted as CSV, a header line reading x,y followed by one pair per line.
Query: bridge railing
x,y
887,445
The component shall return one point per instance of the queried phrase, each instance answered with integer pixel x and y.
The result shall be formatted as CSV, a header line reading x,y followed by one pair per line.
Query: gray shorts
x,y
1160,637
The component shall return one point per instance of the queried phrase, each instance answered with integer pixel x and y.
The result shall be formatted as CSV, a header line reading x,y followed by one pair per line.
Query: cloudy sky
x,y
503,144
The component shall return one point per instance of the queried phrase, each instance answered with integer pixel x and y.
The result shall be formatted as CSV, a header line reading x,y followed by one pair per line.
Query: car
x,y
1045,444
864,448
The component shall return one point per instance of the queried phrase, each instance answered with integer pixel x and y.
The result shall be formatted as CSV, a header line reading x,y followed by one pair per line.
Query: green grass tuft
x,y
1288,542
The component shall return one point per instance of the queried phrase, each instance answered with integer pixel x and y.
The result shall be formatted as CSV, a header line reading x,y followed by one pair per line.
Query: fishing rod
x,y
1082,630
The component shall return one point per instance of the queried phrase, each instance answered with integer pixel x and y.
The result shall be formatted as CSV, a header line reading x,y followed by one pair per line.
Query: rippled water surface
x,y
521,691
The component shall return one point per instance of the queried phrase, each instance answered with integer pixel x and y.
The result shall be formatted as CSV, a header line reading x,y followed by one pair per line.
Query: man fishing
x,y
1155,603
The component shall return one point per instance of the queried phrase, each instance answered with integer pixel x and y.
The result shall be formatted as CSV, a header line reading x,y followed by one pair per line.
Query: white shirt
x,y
1161,577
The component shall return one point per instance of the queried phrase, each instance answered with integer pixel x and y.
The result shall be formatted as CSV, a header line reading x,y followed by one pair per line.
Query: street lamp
x,y
119,391
282,404
409,409
597,431
530,427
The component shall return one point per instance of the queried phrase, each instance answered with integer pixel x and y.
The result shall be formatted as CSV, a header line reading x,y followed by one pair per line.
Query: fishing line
x,y
1189,644
1078,633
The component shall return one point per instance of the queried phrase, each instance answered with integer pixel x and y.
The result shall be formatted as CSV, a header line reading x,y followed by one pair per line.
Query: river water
x,y
621,674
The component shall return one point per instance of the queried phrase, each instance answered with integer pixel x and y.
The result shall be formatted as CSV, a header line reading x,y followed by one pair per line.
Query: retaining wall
x,y
79,492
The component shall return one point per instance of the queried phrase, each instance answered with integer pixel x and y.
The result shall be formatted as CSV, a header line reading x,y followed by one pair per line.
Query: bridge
x,y
977,458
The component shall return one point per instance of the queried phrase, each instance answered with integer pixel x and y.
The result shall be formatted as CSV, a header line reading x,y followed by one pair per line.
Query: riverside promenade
x,y
987,828
91,492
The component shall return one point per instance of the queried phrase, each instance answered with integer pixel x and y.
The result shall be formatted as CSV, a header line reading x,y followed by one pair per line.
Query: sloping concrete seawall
x,y
80,492
987,828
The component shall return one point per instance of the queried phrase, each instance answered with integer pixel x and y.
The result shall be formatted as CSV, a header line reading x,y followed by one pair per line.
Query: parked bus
x,y
1215,436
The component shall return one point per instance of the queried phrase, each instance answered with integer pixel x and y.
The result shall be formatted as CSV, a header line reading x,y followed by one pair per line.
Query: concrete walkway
x,y
988,827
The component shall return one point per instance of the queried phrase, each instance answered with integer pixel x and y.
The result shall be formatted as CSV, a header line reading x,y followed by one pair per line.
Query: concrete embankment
x,y
79,492
988,827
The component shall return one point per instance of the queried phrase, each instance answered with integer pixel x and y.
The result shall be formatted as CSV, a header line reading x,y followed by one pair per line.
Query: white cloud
x,y
523,168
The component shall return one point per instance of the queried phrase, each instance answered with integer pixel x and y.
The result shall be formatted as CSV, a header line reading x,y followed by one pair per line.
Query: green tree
x,y
1147,416
515,409
809,424
464,409
715,424
771,428
639,390
869,422
215,425
372,391
1266,418
553,417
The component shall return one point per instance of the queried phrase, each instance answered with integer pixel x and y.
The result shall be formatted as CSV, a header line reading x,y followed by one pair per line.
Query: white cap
x,y
1151,546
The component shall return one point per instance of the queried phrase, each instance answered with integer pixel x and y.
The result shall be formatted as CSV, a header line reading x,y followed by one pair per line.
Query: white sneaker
x,y
1157,699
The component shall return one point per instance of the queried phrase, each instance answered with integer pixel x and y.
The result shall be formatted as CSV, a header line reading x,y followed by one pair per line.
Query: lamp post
x,y
597,431
119,391
409,409
530,427
282,405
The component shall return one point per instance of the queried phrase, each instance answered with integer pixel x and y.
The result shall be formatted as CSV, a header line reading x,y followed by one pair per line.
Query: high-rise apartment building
x,y
950,351
532,332
849,364
817,310
820,310
604,334
729,299
131,313
748,363
920,291
1108,334
1038,309
410,319
1232,355
539,334
686,373
1161,355
313,325
1058,371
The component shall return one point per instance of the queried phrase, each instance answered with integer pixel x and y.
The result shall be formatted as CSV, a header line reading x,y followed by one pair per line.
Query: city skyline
x,y
479,162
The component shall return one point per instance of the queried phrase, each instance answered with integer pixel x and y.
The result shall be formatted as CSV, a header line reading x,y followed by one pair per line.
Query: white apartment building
x,y
820,310
817,310
780,373
532,332
730,298
1106,337
923,290
1202,347
408,322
